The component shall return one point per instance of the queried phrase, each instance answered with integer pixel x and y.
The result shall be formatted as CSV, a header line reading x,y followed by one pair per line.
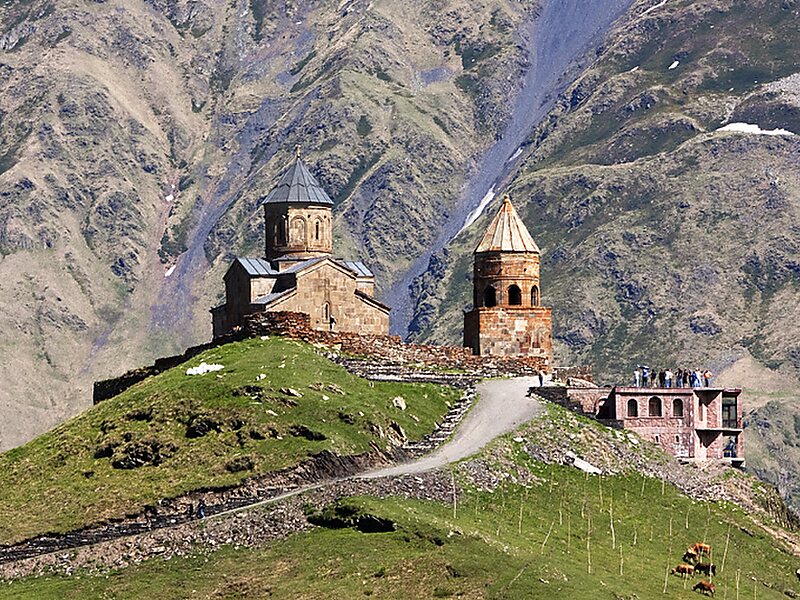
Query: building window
x,y
633,408
535,296
316,233
326,313
677,439
514,295
281,227
654,407
729,412
677,407
490,296
657,439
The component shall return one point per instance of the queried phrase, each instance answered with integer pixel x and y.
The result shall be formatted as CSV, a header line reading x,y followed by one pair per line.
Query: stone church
x,y
298,272
507,317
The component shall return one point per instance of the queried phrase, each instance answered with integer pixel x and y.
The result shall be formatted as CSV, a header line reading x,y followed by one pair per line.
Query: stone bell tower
x,y
507,317
298,216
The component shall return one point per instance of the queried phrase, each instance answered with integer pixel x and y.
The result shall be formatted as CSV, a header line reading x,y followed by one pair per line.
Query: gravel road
x,y
502,406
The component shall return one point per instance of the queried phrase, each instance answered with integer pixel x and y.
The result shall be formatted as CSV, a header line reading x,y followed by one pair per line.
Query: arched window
x,y
298,232
633,408
535,296
490,296
677,407
514,295
326,313
280,231
654,407
316,233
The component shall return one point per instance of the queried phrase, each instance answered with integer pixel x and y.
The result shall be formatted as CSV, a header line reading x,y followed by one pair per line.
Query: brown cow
x,y
701,548
704,586
683,570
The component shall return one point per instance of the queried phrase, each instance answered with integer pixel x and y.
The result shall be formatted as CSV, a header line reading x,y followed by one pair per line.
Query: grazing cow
x,y
683,570
709,569
705,586
701,548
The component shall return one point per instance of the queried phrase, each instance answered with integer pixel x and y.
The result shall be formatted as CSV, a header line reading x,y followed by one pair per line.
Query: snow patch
x,y
517,152
753,129
652,8
170,271
203,368
634,69
473,216
674,65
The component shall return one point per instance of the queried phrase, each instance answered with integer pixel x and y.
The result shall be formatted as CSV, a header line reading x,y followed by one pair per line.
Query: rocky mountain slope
x,y
138,136
669,228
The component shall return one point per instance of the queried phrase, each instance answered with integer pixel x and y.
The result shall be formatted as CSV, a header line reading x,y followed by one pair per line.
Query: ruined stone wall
x,y
297,325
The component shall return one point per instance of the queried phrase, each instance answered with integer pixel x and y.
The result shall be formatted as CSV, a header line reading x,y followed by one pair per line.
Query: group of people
x,y
644,376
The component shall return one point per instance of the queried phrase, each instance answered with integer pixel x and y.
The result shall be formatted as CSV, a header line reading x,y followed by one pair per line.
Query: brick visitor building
x,y
507,317
692,424
298,272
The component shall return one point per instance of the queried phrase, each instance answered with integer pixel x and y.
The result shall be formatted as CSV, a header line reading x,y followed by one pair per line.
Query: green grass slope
x,y
520,529
176,432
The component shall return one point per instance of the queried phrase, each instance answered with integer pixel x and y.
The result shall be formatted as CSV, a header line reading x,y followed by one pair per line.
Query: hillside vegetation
x,y
666,241
274,403
138,135
520,528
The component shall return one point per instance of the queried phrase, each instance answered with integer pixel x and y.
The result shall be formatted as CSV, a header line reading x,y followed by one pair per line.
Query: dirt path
x,y
502,406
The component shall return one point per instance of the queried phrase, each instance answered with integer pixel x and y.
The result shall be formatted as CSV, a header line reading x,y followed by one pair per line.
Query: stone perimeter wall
x,y
296,325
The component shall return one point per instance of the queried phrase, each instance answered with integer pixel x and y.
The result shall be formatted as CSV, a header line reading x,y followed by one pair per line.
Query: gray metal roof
x,y
297,184
256,266
359,268
303,265
270,298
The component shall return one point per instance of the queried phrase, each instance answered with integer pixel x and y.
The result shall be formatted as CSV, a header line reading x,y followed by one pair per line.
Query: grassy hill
x,y
136,134
666,241
521,528
274,403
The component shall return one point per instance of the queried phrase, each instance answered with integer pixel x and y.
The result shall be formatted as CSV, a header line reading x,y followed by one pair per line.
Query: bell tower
x,y
507,317
298,215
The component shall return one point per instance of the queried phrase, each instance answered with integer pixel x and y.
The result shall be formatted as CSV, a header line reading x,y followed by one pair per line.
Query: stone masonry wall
x,y
297,325
326,284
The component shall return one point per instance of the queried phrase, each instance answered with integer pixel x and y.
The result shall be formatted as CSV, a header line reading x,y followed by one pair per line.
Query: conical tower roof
x,y
297,184
507,232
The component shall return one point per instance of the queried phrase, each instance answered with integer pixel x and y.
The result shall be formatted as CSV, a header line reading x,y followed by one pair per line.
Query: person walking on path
x,y
541,378
201,509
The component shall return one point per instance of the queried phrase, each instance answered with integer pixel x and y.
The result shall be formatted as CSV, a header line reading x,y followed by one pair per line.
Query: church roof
x,y
507,232
256,267
297,184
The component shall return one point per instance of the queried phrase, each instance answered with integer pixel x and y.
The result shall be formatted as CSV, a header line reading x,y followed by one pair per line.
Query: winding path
x,y
502,405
